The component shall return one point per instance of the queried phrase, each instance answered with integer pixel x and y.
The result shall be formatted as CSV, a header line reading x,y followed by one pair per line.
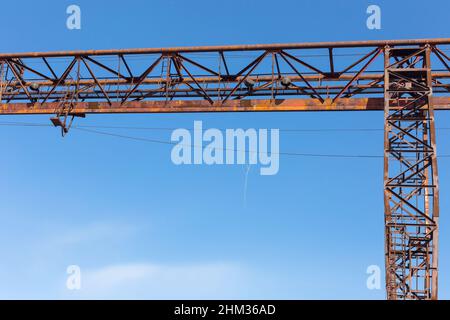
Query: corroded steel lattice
x,y
275,77
411,177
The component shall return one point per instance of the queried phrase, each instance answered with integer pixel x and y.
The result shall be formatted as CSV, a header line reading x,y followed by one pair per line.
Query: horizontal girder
x,y
185,106
254,47
206,79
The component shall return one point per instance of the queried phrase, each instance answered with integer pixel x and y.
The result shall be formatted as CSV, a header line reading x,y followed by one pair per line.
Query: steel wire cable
x,y
89,129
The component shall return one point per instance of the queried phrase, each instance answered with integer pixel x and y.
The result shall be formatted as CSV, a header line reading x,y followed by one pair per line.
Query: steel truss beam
x,y
410,175
217,75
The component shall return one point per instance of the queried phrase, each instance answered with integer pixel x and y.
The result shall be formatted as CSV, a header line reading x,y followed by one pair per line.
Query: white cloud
x,y
56,237
94,232
156,281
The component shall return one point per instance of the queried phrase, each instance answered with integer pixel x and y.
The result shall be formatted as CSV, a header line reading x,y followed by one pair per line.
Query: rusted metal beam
x,y
187,106
255,47
212,79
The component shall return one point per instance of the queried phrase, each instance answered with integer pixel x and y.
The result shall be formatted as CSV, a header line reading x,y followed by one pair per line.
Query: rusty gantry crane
x,y
408,84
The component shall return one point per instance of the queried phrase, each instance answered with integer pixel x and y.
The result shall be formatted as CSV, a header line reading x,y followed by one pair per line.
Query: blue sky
x,y
140,227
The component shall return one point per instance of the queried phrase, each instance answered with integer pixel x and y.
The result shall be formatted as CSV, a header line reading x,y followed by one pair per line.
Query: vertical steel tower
x,y
410,175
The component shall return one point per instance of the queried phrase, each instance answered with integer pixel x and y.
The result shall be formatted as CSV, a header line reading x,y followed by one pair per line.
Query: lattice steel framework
x,y
278,77
411,175
322,76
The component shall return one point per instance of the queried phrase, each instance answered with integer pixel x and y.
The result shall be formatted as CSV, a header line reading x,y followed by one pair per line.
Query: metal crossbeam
x,y
183,106
216,75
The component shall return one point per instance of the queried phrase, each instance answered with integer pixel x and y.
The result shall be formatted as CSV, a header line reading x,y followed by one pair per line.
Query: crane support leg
x,y
411,194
